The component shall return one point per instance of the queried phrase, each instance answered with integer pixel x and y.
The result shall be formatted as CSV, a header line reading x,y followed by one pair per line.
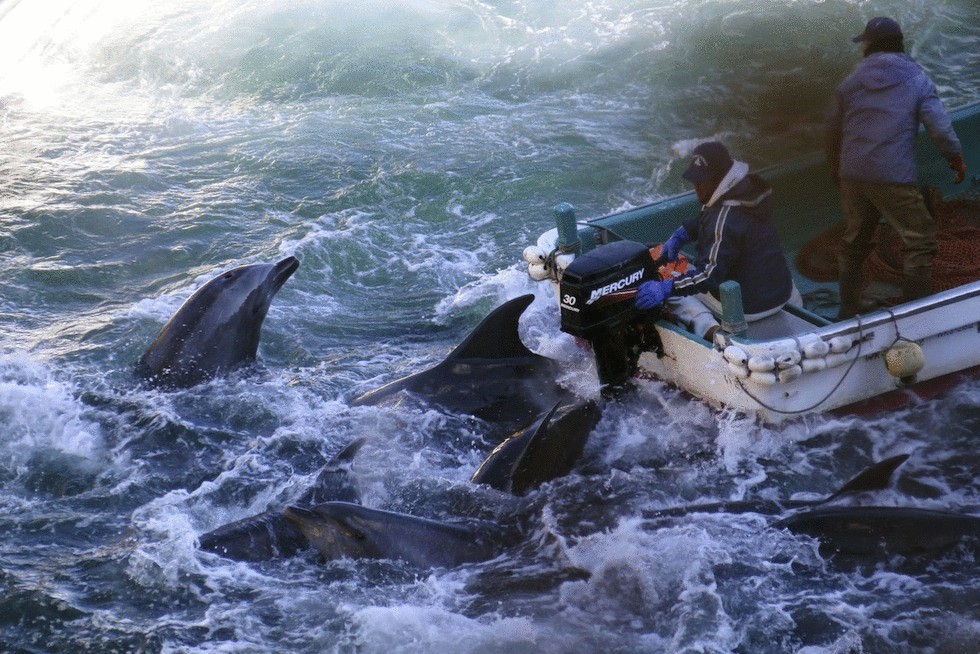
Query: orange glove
x,y
959,167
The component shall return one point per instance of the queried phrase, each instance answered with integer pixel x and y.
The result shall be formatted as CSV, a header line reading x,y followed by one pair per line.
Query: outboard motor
x,y
597,291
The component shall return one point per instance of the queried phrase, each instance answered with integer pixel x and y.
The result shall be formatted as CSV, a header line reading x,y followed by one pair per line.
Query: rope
x,y
826,397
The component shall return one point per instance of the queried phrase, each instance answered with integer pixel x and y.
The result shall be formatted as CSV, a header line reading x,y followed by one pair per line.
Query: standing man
x,y
735,240
870,144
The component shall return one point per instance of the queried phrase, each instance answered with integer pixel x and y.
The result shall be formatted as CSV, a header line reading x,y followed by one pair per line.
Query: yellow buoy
x,y
905,360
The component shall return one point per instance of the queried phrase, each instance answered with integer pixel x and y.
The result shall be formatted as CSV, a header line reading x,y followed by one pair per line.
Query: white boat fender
x,y
904,360
835,359
813,365
537,271
534,254
764,378
816,349
788,360
736,355
741,372
789,374
771,348
762,363
841,344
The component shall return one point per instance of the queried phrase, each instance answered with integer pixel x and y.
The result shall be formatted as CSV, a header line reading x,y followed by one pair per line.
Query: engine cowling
x,y
597,300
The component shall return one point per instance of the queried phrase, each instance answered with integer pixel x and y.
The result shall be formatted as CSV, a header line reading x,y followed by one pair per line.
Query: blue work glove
x,y
651,294
673,245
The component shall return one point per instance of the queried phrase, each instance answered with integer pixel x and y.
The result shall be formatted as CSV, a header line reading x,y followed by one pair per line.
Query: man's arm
x,y
723,248
833,132
932,114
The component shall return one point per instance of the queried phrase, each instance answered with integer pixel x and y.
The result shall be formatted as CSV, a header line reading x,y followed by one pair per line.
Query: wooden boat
x,y
797,361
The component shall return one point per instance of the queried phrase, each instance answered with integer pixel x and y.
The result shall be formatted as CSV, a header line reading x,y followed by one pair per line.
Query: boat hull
x,y
849,379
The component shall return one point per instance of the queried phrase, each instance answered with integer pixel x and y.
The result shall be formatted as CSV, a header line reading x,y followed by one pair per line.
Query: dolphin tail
x,y
497,337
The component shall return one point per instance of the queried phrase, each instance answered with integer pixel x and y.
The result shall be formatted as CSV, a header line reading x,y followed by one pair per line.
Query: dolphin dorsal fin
x,y
347,454
875,477
496,337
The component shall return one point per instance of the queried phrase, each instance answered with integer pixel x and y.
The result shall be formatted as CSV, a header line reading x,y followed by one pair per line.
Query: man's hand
x,y
651,294
959,167
673,246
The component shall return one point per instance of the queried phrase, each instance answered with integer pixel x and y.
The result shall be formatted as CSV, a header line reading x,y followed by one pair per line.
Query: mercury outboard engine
x,y
597,291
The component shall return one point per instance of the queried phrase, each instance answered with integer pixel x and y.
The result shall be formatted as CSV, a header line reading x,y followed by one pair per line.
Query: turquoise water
x,y
406,152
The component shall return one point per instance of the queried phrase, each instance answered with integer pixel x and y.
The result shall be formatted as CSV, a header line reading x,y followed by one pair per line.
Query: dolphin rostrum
x,y
491,375
217,329
269,534
547,449
343,530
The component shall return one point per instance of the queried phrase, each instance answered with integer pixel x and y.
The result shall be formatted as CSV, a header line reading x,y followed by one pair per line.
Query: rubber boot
x,y
917,283
850,280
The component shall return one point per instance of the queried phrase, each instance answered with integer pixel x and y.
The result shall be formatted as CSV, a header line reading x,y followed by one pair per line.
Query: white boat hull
x,y
946,326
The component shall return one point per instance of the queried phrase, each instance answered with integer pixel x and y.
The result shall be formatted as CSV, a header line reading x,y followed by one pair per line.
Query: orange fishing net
x,y
957,259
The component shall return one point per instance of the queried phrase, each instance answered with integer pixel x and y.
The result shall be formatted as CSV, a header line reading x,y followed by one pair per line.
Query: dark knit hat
x,y
711,161
878,28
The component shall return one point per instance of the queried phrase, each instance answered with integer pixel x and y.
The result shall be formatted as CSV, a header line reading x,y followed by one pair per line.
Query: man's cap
x,y
711,160
878,28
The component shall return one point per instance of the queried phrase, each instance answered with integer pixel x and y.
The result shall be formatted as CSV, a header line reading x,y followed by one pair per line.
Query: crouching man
x,y
735,239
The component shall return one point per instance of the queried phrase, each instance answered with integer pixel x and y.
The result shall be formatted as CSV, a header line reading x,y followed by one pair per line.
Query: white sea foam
x,y
414,629
38,412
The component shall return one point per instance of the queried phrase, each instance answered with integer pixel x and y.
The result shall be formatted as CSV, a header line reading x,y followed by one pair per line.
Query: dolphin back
x,y
865,530
548,449
491,375
270,534
339,529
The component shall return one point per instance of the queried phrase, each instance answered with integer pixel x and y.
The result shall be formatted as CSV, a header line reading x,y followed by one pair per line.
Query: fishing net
x,y
956,262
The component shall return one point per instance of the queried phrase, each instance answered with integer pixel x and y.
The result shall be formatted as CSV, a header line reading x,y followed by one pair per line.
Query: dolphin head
x,y
240,298
218,327
341,529
335,529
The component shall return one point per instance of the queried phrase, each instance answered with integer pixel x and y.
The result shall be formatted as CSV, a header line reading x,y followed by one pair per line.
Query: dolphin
x,y
217,329
864,530
344,530
857,530
269,534
491,375
875,477
547,449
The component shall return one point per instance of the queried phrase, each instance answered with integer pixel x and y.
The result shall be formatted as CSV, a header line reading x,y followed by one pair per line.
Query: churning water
x,y
406,151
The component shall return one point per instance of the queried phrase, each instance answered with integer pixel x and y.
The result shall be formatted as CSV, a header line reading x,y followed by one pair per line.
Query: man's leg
x,y
904,208
861,219
692,312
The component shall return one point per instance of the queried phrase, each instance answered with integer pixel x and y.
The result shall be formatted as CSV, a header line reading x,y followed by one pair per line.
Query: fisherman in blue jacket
x,y
871,128
735,240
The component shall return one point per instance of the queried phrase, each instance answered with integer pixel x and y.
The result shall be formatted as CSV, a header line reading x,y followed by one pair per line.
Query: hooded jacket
x,y
874,118
736,240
